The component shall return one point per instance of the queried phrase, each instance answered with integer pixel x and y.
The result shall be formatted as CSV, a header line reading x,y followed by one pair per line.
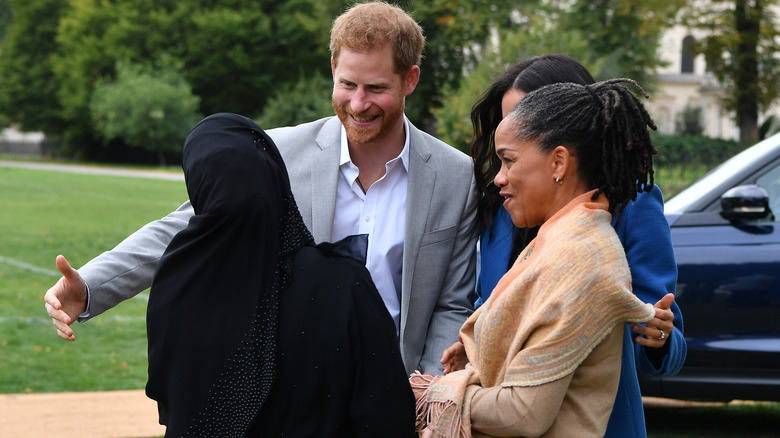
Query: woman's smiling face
x,y
525,177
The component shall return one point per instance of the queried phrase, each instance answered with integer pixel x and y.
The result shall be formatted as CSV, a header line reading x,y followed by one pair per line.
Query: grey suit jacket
x,y
439,241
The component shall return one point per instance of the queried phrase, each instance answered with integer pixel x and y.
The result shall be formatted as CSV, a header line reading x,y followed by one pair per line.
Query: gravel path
x,y
96,170
110,414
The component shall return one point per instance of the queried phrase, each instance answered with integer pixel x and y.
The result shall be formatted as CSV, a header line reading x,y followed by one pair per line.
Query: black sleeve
x,y
382,402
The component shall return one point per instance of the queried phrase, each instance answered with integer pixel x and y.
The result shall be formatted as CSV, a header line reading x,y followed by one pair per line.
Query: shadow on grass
x,y
714,420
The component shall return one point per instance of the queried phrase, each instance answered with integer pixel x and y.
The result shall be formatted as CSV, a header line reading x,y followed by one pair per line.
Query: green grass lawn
x,y
672,180
46,213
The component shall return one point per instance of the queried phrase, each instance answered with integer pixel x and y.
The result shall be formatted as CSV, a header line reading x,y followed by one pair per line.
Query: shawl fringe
x,y
448,414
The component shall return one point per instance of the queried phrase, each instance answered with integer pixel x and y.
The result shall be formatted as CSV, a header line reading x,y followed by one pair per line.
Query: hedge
x,y
685,150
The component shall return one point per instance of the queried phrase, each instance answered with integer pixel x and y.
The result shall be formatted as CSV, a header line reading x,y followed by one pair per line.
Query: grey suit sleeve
x,y
127,270
454,304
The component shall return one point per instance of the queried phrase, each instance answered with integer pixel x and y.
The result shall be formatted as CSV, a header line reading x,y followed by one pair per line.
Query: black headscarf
x,y
213,309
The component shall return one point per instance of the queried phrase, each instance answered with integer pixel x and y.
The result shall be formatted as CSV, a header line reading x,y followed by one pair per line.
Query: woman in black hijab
x,y
253,331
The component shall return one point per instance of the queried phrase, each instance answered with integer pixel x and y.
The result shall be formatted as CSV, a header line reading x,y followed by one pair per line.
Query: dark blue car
x,y
726,237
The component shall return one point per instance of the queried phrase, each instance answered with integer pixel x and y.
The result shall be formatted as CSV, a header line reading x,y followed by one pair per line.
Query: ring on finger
x,y
662,336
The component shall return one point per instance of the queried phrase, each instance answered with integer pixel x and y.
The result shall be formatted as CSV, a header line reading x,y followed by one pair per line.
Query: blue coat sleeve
x,y
495,247
646,238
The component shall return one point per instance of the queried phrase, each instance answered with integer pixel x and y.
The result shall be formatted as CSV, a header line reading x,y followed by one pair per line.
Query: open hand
x,y
66,300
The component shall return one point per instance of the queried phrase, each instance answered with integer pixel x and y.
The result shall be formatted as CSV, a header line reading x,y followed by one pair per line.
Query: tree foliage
x,y
255,56
523,41
741,46
235,53
689,121
5,17
237,58
28,88
151,108
456,33
621,37
307,100
683,150
769,127
612,38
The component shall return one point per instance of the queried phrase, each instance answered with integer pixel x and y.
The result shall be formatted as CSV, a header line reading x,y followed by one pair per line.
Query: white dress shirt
x,y
380,213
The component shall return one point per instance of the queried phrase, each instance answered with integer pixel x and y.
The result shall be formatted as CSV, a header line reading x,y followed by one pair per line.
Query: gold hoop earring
x,y
559,181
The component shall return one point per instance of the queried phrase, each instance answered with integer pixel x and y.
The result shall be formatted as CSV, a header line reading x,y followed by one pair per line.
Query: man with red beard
x,y
367,170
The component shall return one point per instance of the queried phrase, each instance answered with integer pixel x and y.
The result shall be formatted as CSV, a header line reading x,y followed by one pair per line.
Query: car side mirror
x,y
745,203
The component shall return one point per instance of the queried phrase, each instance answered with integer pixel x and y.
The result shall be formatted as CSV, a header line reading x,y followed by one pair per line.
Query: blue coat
x,y
644,233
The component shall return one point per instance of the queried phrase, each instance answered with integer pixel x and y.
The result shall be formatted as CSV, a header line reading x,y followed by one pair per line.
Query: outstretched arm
x,y
113,276
127,270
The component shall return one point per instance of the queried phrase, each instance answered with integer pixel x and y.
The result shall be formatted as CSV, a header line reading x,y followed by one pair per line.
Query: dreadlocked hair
x,y
604,125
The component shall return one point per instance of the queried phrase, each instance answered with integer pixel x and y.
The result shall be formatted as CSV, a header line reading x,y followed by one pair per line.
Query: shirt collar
x,y
404,155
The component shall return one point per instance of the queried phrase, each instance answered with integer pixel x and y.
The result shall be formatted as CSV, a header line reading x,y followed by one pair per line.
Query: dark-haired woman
x,y
254,331
544,351
660,348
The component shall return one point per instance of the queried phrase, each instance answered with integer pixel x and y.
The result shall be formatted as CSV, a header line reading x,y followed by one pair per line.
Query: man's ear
x,y
411,80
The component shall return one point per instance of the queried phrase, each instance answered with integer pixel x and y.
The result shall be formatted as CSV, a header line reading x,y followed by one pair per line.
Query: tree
x,y
28,86
236,53
453,118
239,53
769,127
741,48
621,36
238,56
306,100
149,108
6,14
689,121
612,38
457,33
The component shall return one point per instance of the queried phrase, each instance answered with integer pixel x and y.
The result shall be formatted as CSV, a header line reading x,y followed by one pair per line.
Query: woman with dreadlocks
x,y
657,348
544,351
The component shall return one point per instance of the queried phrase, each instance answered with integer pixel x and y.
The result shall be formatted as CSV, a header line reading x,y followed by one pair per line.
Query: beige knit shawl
x,y
565,293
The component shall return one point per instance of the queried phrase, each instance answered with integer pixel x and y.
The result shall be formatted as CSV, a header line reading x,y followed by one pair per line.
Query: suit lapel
x,y
324,179
419,194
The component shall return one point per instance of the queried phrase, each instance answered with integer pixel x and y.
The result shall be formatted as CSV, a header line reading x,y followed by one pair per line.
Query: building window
x,y
686,66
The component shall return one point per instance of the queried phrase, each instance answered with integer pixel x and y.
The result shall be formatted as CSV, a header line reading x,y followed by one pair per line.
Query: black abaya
x,y
340,373
236,287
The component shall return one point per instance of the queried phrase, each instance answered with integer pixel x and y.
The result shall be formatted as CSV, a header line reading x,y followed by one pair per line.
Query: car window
x,y
770,181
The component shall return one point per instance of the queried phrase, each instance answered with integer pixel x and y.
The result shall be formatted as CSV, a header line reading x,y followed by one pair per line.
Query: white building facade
x,y
686,82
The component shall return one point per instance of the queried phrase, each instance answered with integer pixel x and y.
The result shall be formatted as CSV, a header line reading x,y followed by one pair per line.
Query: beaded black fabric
x,y
249,375
228,266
